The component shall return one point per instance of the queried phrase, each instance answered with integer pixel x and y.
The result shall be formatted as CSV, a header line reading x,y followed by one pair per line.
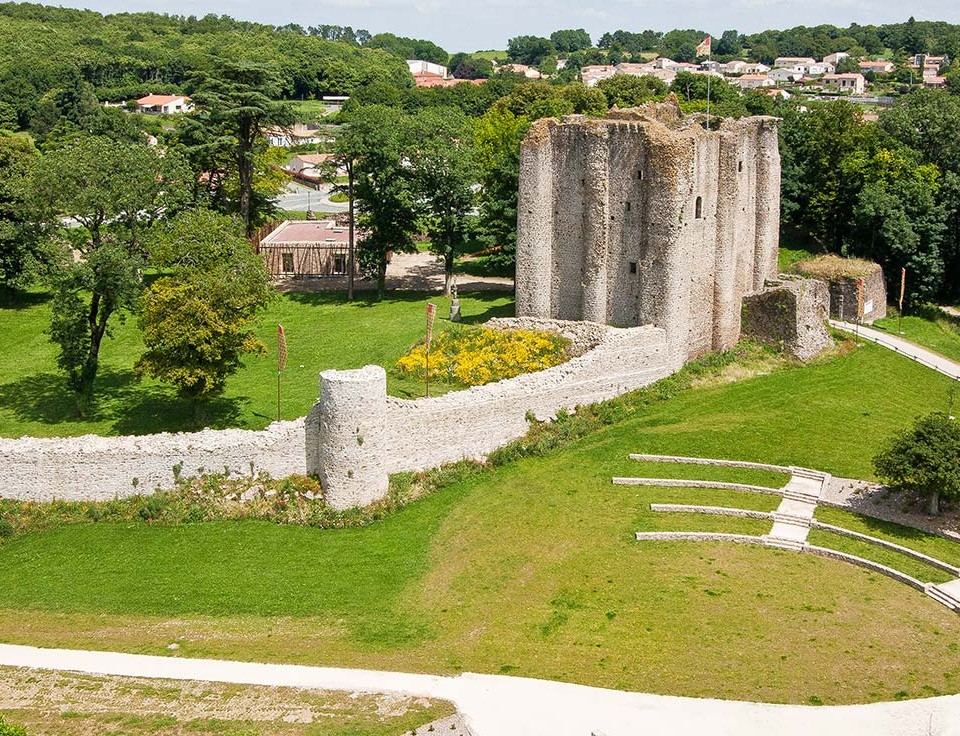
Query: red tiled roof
x,y
151,100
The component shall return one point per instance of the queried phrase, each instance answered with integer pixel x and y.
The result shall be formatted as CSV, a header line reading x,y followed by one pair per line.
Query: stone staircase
x,y
946,593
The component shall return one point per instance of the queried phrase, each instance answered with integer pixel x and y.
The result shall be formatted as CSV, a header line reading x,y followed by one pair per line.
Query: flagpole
x,y
281,362
709,75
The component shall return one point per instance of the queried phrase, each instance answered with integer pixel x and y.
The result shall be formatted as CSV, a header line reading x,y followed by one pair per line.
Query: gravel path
x,y
510,706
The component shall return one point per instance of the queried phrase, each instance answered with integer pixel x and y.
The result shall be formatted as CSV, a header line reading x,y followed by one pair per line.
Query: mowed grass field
x,y
531,568
929,327
322,329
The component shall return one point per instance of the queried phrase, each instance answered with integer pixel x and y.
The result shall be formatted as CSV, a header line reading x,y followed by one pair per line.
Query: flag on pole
x,y
431,313
281,349
704,48
903,285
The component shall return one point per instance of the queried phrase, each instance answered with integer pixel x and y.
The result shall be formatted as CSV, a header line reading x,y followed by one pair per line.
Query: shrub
x,y
8,729
6,528
472,356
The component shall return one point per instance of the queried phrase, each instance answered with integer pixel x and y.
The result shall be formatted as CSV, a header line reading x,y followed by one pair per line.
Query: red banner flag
x,y
704,48
281,349
859,298
903,285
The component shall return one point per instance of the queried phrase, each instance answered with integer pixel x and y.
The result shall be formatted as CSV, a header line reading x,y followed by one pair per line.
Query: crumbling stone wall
x,y
842,275
648,217
354,436
790,314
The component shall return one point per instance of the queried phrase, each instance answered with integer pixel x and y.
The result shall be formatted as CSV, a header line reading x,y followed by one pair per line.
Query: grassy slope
x,y
930,328
323,331
532,568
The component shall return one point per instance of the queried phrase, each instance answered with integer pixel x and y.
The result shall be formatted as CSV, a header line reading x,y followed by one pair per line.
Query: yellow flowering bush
x,y
472,356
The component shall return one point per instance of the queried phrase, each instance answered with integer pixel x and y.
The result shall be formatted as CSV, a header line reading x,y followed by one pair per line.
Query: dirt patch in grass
x,y
68,704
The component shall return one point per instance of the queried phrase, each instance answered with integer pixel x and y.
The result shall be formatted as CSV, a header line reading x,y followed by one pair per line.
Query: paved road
x,y
302,198
904,347
512,706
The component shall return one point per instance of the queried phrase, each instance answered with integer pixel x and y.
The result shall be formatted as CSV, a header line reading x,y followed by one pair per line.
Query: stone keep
x,y
648,217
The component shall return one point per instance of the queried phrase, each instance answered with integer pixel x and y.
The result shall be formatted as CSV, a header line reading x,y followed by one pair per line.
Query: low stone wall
x,y
353,437
93,468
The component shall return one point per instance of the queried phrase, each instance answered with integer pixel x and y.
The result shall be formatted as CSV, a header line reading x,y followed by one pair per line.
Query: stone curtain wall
x,y
93,468
647,217
354,436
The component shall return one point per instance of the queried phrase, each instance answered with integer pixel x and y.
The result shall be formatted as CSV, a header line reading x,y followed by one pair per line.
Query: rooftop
x,y
308,232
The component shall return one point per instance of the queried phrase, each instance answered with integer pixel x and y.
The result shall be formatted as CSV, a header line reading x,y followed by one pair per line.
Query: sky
x,y
466,26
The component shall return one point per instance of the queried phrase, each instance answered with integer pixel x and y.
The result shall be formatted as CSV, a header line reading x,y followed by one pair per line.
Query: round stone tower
x,y
350,439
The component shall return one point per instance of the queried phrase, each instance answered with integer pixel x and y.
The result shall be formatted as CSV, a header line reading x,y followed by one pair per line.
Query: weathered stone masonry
x,y
647,217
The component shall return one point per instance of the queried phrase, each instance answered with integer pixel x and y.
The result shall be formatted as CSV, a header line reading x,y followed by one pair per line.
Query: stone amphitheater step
x,y
807,473
946,593
800,495
788,518
792,545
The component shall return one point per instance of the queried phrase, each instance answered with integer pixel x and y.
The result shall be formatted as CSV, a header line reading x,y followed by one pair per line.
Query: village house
x,y
418,66
595,72
298,134
527,71
934,82
877,67
784,76
850,82
816,69
790,62
753,81
835,58
164,104
309,164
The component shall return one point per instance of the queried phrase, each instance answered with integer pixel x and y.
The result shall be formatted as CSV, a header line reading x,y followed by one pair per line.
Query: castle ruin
x,y
648,217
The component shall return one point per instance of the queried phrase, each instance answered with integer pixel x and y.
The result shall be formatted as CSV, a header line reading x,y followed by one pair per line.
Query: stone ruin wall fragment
x,y
608,225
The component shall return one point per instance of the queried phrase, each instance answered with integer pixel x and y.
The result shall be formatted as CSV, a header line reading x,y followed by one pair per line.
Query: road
x,y
299,198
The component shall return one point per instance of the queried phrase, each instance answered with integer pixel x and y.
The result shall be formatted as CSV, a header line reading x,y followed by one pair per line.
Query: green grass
x,y
323,331
929,327
309,111
929,544
891,558
532,568
786,257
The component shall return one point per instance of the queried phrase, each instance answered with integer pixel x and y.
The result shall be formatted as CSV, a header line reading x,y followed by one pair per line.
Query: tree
x,y
729,44
568,40
497,138
924,460
18,238
531,50
624,90
236,104
376,140
197,322
445,170
114,192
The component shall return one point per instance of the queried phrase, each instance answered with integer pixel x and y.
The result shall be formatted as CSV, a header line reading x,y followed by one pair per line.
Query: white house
x,y
789,62
165,104
784,76
850,82
815,69
753,81
417,66
877,67
835,57
595,72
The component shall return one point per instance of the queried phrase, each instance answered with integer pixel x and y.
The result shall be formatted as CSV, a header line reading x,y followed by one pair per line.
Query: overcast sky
x,y
472,26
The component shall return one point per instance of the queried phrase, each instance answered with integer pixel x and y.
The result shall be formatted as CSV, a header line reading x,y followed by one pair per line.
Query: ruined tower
x,y
648,217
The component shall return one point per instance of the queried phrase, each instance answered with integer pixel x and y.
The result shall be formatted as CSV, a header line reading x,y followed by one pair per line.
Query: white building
x,y
850,82
164,104
418,66
835,57
753,81
789,62
784,76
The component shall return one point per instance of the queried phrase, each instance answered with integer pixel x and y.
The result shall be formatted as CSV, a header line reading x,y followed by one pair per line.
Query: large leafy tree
x,y
445,170
18,237
197,322
235,105
377,143
98,198
924,460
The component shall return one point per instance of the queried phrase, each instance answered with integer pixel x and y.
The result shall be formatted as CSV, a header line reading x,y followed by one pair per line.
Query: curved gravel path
x,y
511,706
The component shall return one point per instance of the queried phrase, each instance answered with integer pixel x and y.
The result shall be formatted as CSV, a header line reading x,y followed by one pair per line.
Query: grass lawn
x,y
323,331
531,568
309,111
929,327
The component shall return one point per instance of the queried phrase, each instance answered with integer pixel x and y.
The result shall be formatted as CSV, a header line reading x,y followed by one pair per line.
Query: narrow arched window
x,y
698,213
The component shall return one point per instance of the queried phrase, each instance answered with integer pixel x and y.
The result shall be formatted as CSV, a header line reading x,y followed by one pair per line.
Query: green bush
x,y
8,729
6,528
